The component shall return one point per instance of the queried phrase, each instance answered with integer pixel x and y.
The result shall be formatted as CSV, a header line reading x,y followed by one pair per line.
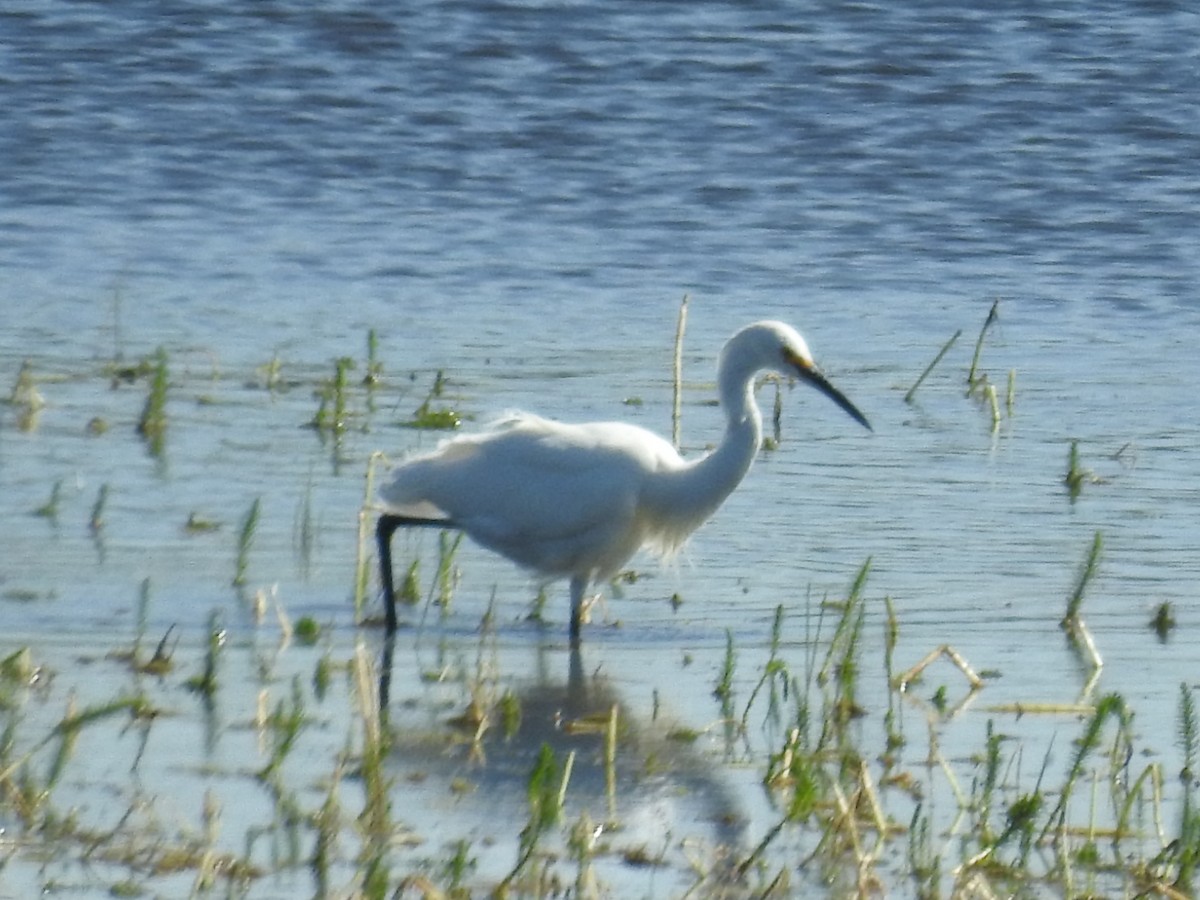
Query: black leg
x,y
384,530
578,586
385,675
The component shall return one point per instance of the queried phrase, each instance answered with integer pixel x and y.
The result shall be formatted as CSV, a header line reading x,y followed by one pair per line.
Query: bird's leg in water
x,y
578,586
385,675
384,530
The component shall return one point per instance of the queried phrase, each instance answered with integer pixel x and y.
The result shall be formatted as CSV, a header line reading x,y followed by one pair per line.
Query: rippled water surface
x,y
518,195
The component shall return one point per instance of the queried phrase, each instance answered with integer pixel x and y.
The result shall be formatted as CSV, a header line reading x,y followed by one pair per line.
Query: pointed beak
x,y
813,376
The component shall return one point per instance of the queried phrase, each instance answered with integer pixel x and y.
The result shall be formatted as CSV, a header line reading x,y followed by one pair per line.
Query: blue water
x,y
521,193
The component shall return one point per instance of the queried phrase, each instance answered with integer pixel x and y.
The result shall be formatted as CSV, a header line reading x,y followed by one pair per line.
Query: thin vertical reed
x,y
912,391
677,399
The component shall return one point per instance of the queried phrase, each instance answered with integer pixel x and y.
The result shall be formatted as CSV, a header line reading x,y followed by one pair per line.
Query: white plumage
x,y
578,501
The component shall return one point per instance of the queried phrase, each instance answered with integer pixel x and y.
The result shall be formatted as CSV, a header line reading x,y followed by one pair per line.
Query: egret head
x,y
778,347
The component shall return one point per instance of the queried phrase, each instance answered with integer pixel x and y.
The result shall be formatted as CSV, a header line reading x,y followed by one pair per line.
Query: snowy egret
x,y
577,501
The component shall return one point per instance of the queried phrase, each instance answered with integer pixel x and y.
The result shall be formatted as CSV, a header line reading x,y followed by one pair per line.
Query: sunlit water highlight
x,y
519,195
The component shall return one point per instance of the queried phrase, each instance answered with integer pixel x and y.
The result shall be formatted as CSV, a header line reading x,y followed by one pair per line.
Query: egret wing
x,y
556,498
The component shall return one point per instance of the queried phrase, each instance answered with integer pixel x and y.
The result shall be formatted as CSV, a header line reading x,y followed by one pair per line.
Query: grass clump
x,y
435,417
1163,621
1077,476
307,630
206,683
245,541
333,410
25,399
96,520
1072,622
976,381
283,727
374,365
546,791
152,425
49,509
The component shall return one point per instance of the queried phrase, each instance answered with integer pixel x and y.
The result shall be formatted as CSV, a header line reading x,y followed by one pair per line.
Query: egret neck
x,y
688,496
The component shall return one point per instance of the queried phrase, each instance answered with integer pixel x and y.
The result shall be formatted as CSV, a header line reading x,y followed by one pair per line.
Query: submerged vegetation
x,y
847,754
432,415
153,422
233,757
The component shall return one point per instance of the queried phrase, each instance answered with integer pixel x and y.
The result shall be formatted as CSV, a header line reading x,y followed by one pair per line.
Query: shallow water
x,y
518,195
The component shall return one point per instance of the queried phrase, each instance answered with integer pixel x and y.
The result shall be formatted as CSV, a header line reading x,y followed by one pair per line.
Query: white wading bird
x,y
577,501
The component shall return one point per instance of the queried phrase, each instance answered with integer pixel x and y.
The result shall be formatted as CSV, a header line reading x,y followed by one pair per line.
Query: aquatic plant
x,y
376,814
677,373
1186,846
775,677
25,398
975,380
410,585
1164,619
447,573
333,409
197,523
307,630
374,366
49,509
152,424
431,417
245,541
912,391
271,373
724,689
366,510
205,683
96,520
841,666
282,728
1077,476
304,531
546,791
1072,623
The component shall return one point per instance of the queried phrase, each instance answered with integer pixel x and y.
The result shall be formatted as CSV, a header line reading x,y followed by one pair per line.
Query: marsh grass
x,y
1009,838
25,399
246,542
206,683
859,817
1163,621
283,727
724,687
96,519
677,374
844,747
304,531
447,575
976,380
333,409
1072,622
49,509
374,373
546,791
433,416
152,425
912,391
271,373
1077,476
362,553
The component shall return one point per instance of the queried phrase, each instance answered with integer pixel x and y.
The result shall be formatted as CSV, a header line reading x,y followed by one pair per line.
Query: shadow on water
x,y
464,751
